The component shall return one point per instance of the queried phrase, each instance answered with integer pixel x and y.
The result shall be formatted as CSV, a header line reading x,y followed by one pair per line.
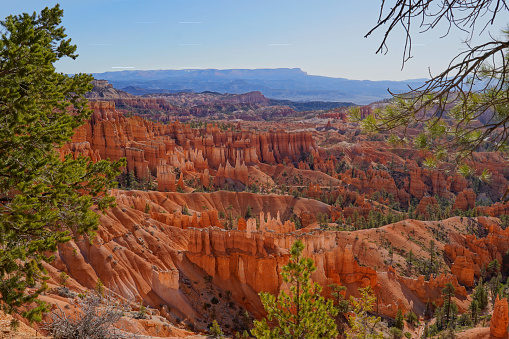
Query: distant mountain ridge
x,y
144,91
279,83
103,90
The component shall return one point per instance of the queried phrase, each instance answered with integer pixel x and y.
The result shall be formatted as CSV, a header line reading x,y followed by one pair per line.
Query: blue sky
x,y
321,37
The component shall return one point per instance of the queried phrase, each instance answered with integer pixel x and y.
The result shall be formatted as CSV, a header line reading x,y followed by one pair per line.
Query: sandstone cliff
x,y
163,256
226,155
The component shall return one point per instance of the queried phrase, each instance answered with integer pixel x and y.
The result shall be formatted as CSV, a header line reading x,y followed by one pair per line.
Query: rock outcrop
x,y
102,90
147,145
465,200
147,249
427,204
463,269
145,103
474,254
499,319
171,248
256,258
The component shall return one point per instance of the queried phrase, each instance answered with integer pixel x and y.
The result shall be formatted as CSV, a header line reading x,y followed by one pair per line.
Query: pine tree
x,y
338,292
440,322
481,295
362,325
400,321
44,200
450,104
395,332
215,330
249,213
131,182
341,304
449,306
474,311
303,313
495,287
493,267
411,318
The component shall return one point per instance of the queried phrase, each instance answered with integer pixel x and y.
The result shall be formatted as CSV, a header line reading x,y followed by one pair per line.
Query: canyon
x,y
221,208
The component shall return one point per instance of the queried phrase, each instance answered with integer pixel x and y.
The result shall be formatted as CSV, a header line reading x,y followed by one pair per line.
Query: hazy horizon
x,y
228,69
322,38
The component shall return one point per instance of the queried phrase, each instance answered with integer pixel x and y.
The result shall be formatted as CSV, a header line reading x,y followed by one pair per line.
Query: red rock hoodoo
x,y
500,319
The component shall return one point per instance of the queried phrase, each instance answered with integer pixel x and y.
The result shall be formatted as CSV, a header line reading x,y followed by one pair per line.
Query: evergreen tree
x,y
131,182
395,332
341,304
480,295
474,311
44,200
411,318
400,321
440,318
215,330
448,293
495,287
249,213
465,319
362,325
303,313
493,267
